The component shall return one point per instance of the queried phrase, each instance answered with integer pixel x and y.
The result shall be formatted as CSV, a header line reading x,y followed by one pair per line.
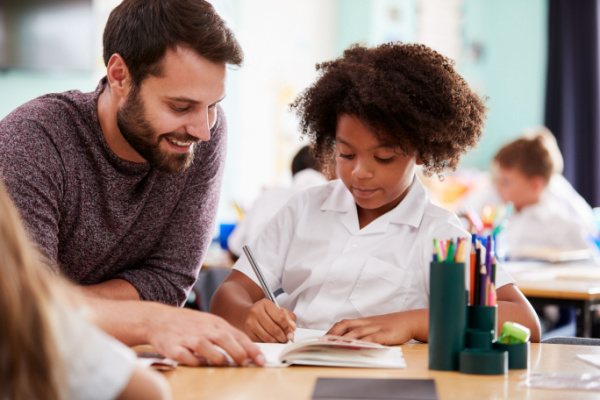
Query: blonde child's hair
x,y
30,364
534,154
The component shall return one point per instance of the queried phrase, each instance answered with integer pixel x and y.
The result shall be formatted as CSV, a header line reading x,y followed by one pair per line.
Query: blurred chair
x,y
208,281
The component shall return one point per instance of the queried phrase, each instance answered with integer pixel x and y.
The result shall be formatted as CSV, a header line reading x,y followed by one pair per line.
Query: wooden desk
x,y
573,284
297,383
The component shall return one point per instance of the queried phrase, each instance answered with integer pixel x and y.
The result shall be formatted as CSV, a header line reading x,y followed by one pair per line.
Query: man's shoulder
x,y
51,115
47,106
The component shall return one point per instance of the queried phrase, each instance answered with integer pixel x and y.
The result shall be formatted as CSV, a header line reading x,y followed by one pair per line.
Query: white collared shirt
x,y
545,225
331,270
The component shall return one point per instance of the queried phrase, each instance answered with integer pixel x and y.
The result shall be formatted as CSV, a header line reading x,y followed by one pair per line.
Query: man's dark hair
x,y
304,159
408,94
141,31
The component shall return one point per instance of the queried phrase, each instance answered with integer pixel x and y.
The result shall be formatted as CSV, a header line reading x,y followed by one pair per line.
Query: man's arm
x,y
116,289
34,178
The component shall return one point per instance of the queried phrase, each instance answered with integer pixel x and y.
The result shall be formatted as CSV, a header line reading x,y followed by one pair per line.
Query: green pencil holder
x,y
447,315
483,318
478,339
518,354
483,362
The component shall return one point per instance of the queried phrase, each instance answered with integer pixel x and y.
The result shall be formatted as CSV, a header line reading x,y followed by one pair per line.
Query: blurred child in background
x,y
306,172
550,218
548,213
522,172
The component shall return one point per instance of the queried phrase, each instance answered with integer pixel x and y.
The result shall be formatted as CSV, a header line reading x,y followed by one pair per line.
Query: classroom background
x,y
501,48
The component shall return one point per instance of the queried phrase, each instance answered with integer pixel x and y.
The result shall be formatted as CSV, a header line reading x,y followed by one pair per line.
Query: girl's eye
x,y
347,156
384,160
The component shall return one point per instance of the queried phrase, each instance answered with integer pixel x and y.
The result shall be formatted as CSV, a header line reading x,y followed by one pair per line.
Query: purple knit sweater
x,y
98,217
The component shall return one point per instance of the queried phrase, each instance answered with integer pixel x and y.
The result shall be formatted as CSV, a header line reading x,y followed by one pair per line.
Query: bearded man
x,y
119,187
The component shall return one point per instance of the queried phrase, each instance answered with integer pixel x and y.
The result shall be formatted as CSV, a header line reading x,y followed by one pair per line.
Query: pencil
x,y
482,280
494,261
460,250
438,250
450,252
492,297
476,296
488,256
472,260
259,275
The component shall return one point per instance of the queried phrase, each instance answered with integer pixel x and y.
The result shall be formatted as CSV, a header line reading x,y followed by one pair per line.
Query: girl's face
x,y
377,176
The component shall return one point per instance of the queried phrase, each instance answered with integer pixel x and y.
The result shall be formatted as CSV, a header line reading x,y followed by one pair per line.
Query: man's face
x,y
164,117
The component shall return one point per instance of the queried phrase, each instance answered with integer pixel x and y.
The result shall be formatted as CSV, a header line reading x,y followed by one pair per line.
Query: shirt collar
x,y
409,212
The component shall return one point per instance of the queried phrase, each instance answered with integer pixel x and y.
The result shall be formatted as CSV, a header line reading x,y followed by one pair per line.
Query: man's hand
x,y
265,322
190,337
184,335
389,329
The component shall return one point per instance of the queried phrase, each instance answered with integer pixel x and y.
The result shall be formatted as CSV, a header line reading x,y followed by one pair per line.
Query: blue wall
x,y
18,87
511,70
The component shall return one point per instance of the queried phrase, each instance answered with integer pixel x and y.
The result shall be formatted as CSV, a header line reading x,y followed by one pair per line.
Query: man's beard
x,y
140,135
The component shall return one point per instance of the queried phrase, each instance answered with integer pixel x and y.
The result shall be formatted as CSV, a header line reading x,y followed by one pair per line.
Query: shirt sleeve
x,y
97,366
32,170
169,272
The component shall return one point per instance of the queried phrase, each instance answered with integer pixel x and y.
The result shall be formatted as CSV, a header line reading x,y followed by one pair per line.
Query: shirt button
x,y
354,244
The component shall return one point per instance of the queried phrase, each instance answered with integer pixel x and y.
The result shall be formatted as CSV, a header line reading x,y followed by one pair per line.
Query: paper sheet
x,y
593,359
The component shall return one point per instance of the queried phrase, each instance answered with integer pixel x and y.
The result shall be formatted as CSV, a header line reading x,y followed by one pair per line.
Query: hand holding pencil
x,y
266,321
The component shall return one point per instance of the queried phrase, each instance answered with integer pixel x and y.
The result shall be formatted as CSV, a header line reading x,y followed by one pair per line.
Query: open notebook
x,y
310,347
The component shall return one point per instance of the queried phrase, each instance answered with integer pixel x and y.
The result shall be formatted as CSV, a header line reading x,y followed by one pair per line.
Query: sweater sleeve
x,y
32,170
169,272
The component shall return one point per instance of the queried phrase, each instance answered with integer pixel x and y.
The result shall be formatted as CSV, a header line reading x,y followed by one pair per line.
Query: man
x,y
119,187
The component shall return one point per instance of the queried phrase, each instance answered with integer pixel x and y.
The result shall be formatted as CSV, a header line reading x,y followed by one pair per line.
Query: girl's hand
x,y
389,329
265,322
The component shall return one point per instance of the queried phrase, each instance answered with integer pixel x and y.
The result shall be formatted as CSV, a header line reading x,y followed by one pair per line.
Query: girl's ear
x,y
419,161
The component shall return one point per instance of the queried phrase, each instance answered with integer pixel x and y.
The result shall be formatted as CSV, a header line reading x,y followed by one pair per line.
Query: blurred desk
x,y
575,284
297,383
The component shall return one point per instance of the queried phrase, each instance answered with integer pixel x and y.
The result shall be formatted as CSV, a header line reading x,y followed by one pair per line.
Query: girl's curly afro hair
x,y
410,96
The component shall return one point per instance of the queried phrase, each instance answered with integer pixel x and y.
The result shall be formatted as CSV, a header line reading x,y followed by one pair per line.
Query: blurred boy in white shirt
x,y
547,214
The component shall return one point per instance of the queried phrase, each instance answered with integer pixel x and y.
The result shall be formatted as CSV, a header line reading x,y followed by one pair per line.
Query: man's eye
x,y
181,109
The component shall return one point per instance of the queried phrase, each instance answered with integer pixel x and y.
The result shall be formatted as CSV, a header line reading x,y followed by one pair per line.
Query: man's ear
x,y
118,76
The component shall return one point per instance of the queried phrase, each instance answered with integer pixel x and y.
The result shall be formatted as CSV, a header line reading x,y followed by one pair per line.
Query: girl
x,y
353,255
47,349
